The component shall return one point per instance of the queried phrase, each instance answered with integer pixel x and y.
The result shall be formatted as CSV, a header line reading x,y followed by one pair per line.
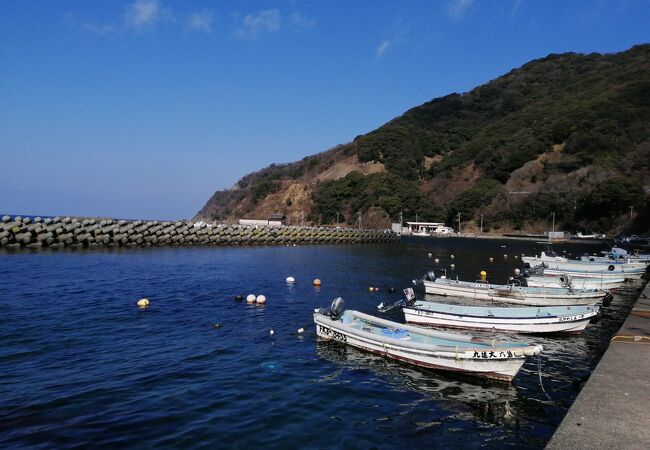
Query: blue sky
x,y
143,108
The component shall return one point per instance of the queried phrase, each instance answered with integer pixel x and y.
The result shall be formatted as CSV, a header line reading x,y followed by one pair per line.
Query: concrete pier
x,y
23,232
613,409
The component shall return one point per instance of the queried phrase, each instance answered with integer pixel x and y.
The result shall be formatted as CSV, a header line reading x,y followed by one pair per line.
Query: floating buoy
x,y
436,260
250,298
261,299
517,272
376,289
452,256
391,290
371,289
143,302
516,256
216,325
453,266
491,259
483,273
316,282
301,330
239,297
505,256
290,280
429,255
271,332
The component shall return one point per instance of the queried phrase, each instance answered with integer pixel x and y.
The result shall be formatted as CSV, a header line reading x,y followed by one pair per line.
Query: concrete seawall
x,y
612,408
60,232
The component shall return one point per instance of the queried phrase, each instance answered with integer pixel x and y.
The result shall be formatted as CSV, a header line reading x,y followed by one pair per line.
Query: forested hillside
x,y
568,134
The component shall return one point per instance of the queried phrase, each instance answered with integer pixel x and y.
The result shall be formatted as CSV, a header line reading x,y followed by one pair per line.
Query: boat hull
x,y
586,266
514,295
594,275
494,363
578,283
568,323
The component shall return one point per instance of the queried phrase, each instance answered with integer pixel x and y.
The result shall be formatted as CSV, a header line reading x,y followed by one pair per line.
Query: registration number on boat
x,y
571,318
331,333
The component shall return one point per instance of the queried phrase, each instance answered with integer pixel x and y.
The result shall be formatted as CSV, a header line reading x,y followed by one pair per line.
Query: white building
x,y
428,228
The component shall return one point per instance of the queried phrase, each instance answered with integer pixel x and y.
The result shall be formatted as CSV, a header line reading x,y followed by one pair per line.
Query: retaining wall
x,y
59,232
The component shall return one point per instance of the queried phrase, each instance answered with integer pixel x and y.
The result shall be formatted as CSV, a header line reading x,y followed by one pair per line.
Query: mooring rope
x,y
539,374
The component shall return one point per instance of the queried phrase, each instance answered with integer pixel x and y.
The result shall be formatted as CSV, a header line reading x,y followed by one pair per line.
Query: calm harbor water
x,y
82,366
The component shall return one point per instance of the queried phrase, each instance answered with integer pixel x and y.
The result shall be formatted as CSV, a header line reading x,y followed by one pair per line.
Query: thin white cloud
x,y
143,14
99,30
381,49
515,7
398,37
200,21
300,22
456,9
253,25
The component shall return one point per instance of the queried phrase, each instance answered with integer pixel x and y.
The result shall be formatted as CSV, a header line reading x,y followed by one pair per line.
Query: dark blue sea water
x,y
82,366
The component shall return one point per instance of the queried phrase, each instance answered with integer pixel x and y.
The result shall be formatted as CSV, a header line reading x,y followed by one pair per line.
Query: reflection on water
x,y
490,400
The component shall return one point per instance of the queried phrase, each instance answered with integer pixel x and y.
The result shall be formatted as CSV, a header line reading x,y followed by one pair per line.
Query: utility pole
x,y
553,221
401,218
458,223
481,223
631,211
337,218
359,219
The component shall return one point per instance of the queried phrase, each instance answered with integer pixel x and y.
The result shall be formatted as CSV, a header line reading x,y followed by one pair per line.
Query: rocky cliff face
x,y
568,134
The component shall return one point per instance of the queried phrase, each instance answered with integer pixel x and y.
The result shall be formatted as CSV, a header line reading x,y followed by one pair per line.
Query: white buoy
x,y
429,255
290,280
271,332
516,256
436,260
453,266
517,272
301,330
143,302
250,298
261,299
452,256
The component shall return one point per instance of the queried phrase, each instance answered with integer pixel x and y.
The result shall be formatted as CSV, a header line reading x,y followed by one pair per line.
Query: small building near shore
x,y
277,220
428,228
273,220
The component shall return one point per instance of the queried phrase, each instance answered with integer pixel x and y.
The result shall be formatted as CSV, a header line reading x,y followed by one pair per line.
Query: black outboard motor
x,y
521,278
335,310
429,276
608,299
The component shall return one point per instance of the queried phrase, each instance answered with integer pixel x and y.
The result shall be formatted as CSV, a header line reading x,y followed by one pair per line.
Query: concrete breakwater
x,y
59,232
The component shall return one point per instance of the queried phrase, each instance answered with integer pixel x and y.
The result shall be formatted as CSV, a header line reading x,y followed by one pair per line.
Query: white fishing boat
x,y
427,348
579,235
512,293
556,262
544,319
566,280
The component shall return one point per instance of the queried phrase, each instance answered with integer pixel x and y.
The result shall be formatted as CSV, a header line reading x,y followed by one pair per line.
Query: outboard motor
x,y
335,310
608,299
429,276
